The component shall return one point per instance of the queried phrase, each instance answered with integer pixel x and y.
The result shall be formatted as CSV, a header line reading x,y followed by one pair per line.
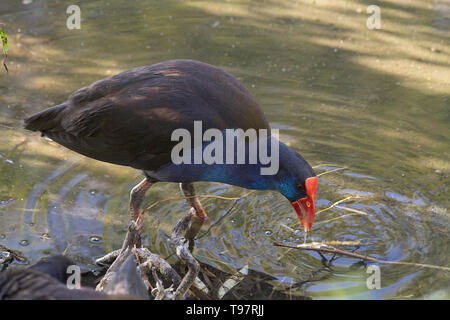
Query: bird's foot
x,y
181,246
132,240
196,222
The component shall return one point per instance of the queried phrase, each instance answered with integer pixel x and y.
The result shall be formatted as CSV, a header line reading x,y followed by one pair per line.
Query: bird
x,y
129,118
127,281
47,280
44,281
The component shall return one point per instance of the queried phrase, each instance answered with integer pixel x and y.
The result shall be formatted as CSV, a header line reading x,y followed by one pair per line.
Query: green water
x,y
373,101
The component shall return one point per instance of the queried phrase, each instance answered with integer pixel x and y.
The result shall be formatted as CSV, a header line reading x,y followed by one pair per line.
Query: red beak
x,y
306,207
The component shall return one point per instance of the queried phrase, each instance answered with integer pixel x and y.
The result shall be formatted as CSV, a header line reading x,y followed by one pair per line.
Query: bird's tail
x,y
47,119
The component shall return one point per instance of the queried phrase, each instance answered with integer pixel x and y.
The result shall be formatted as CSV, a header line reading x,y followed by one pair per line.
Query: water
x,y
374,102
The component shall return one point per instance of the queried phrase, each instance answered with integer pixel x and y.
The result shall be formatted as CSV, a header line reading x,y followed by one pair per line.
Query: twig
x,y
353,210
160,292
334,205
336,218
329,249
108,258
152,260
318,166
339,202
330,171
196,196
214,224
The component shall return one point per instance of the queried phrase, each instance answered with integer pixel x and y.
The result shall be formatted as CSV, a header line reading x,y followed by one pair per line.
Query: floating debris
x,y
24,243
45,236
95,239
5,257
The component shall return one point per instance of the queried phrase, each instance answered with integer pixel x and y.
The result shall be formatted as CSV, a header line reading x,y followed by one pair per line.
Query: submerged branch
x,y
320,247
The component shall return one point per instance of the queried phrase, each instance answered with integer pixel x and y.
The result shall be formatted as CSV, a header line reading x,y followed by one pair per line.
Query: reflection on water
x,y
374,102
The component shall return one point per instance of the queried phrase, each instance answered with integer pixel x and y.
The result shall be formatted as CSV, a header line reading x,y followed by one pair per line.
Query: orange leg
x,y
200,214
136,196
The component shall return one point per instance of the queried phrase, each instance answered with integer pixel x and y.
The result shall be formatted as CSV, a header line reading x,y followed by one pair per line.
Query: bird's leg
x,y
136,197
199,216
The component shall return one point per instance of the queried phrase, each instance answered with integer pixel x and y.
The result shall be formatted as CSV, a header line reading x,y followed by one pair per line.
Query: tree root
x,y
120,278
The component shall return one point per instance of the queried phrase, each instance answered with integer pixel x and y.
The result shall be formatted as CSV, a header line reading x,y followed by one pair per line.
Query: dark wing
x,y
128,118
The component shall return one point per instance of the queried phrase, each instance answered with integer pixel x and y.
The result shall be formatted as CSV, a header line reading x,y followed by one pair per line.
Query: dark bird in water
x,y
128,119
47,280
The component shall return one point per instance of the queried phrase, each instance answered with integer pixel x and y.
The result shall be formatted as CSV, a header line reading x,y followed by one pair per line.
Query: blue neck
x,y
243,175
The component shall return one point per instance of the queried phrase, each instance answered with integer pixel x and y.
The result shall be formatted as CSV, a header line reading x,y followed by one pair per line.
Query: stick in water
x,y
318,247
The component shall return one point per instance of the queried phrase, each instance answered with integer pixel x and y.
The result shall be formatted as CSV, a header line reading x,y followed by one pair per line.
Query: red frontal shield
x,y
306,207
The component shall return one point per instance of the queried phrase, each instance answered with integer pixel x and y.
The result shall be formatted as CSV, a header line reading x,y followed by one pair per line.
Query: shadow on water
x,y
375,102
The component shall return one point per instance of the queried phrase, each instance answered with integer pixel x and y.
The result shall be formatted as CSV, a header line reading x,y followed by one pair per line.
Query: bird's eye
x,y
299,187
